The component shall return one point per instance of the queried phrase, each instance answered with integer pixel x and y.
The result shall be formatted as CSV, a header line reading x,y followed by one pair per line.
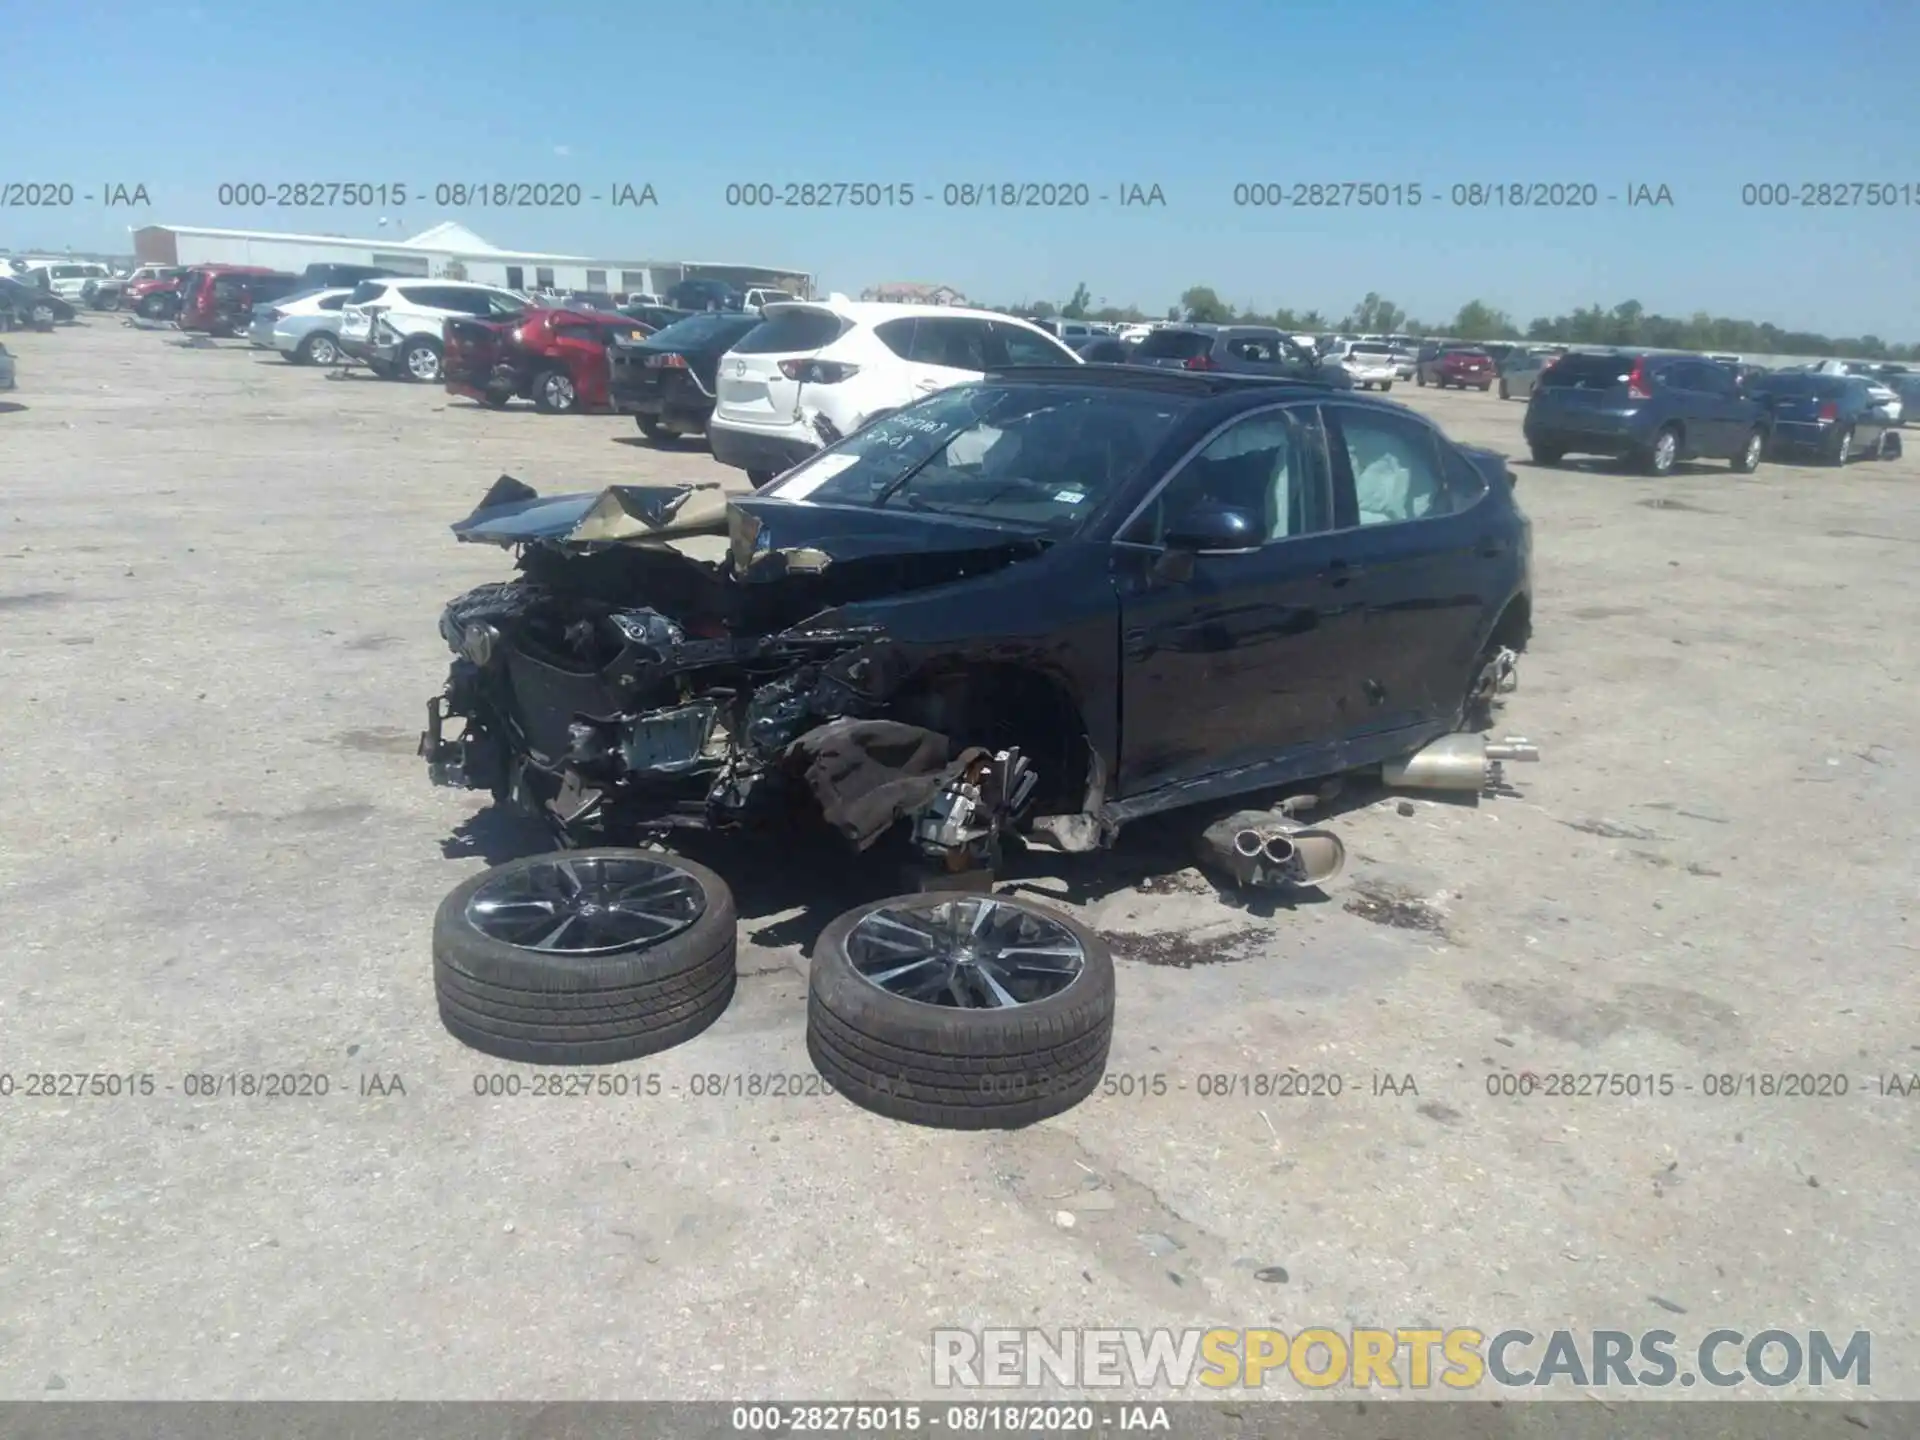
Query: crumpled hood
x,y
762,537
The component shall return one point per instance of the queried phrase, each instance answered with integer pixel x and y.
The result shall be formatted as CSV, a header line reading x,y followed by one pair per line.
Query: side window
x,y
956,344
1251,347
897,336
425,296
1265,466
1395,465
1016,345
1463,481
330,302
1682,375
578,330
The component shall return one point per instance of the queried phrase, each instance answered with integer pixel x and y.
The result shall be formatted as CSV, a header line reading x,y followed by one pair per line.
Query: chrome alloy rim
x,y
323,350
423,363
1664,450
965,954
587,905
560,392
1753,450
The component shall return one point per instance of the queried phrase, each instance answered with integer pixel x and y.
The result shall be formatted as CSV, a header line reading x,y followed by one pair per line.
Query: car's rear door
x,y
1239,660
1427,564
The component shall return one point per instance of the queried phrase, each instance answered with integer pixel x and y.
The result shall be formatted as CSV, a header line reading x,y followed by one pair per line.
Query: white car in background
x,y
396,325
304,327
815,370
1368,363
1885,396
67,279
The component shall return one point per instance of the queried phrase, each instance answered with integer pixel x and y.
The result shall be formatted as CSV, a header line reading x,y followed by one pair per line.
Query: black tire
x,y
494,397
1751,449
554,393
1658,459
1842,450
319,348
1420,380
1889,447
656,432
413,364
1505,394
760,479
1547,454
546,1008
954,1068
1385,385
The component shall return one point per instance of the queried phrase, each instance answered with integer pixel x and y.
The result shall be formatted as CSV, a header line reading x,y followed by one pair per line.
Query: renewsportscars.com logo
x,y
1360,1358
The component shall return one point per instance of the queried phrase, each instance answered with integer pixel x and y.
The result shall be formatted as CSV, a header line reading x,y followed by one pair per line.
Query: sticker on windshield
x,y
1068,497
817,473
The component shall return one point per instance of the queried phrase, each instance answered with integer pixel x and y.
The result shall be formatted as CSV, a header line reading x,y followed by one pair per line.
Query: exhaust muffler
x,y
1461,763
1259,847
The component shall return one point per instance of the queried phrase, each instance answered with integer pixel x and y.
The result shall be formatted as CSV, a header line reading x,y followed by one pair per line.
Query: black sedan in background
x,y
28,305
666,381
1832,417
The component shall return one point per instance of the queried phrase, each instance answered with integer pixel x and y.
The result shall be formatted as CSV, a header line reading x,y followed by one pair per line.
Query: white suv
x,y
396,325
815,370
68,280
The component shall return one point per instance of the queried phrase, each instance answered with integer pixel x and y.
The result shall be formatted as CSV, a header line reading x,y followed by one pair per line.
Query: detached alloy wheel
x,y
974,1012
1748,460
584,957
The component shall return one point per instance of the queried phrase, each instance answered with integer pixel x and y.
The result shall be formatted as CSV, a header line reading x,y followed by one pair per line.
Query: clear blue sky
x,y
1701,95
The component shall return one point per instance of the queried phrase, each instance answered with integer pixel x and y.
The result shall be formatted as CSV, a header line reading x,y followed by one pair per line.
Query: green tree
x,y
1313,322
1375,316
1043,310
1077,307
1202,305
1478,320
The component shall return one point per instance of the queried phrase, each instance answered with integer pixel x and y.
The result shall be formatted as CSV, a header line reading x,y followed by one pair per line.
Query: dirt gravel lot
x,y
219,582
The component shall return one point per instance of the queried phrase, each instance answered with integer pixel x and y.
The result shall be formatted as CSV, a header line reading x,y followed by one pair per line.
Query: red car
x,y
555,358
1457,366
155,298
219,299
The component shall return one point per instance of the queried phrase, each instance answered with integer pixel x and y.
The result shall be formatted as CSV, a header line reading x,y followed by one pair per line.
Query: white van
x,y
67,279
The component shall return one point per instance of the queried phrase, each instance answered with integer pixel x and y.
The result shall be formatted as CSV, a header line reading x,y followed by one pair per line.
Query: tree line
x,y
1626,324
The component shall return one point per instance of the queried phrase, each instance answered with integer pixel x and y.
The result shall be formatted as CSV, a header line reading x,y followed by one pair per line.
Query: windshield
x,y
703,328
1033,455
1822,385
1175,345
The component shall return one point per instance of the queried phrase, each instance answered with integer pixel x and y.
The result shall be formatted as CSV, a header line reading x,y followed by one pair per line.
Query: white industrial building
x,y
448,251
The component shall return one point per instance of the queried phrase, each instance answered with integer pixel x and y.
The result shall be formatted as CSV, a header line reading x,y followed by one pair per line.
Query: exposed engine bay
x,y
719,703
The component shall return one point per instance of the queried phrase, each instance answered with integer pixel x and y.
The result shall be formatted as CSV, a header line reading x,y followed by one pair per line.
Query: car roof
x,y
1198,383
873,312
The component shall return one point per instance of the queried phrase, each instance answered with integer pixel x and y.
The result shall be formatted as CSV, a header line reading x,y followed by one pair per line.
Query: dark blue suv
x,y
1654,410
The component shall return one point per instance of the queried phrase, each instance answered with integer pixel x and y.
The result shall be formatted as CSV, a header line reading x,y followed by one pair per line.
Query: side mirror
x,y
1209,525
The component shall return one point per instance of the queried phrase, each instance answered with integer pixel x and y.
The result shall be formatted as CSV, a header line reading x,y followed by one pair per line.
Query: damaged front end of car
x,y
659,663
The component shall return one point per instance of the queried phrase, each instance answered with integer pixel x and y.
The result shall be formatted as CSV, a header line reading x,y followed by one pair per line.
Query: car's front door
x,y
1231,657
1428,563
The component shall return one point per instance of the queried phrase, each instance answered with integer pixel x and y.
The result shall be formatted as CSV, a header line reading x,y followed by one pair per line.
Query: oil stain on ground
x,y
1661,502
1180,950
32,600
1401,909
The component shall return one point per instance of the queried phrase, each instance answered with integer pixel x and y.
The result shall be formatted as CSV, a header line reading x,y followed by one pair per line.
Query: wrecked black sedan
x,y
1048,603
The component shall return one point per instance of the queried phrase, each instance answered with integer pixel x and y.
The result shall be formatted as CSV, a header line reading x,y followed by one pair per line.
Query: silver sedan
x,y
304,328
